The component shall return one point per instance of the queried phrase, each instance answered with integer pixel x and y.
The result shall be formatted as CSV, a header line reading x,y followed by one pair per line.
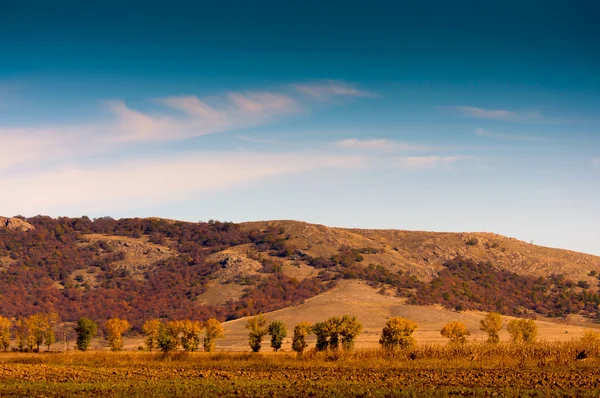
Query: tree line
x,y
397,333
169,336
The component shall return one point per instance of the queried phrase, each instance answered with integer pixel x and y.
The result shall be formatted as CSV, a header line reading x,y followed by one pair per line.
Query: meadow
x,y
539,369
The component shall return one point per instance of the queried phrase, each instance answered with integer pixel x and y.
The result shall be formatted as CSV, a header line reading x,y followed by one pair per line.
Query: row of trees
x,y
30,332
397,333
329,333
38,329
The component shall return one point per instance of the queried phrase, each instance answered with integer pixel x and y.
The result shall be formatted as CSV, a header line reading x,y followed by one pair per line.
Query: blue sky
x,y
444,116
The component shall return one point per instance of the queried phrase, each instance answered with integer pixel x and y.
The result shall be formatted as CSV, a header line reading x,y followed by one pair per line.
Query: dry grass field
x,y
538,370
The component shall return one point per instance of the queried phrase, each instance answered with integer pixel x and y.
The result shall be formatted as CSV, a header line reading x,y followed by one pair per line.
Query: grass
x,y
540,369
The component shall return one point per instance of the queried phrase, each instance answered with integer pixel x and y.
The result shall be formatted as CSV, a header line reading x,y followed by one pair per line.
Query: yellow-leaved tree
x,y
151,329
522,330
456,332
5,325
491,324
213,330
397,334
115,328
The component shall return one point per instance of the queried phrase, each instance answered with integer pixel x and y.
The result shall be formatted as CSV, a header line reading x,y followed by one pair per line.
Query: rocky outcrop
x,y
15,224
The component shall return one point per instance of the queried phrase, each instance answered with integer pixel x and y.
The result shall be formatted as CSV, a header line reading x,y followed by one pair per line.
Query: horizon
x,y
437,117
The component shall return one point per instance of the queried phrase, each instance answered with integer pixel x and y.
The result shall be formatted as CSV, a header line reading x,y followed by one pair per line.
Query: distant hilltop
x,y
15,224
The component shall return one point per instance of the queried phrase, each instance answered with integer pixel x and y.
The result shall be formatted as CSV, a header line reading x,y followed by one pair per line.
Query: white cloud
x,y
498,114
136,183
596,161
330,89
129,126
380,145
485,133
427,162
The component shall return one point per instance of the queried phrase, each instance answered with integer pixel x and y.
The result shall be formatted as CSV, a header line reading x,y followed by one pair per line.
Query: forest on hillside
x,y
39,271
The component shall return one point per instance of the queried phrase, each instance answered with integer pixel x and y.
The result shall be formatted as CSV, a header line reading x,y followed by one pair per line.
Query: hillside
x,y
146,268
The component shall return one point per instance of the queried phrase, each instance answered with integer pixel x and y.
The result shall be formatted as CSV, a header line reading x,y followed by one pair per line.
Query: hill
x,y
153,268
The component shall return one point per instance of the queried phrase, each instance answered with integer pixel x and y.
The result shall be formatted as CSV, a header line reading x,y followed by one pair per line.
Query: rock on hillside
x,y
15,224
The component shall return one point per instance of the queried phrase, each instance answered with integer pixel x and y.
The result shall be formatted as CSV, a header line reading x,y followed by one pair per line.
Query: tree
x,y
278,332
522,330
349,329
151,329
21,333
333,326
213,331
301,330
190,334
86,330
5,325
456,332
115,328
491,324
167,337
256,326
36,326
397,334
52,320
321,330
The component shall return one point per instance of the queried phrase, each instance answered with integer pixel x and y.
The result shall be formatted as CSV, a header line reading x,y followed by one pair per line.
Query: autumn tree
x,y
349,328
190,334
168,340
50,324
491,324
456,332
278,332
213,330
257,330
21,333
397,334
301,330
86,330
151,329
333,326
36,327
522,330
5,325
115,328
321,330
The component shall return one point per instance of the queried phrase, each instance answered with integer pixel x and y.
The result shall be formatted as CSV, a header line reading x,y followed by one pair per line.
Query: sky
x,y
432,115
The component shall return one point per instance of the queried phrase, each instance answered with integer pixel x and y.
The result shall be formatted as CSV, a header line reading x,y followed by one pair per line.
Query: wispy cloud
x,y
498,114
485,133
331,89
133,183
596,161
428,162
129,126
380,145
